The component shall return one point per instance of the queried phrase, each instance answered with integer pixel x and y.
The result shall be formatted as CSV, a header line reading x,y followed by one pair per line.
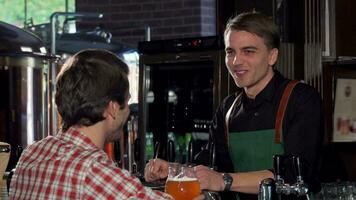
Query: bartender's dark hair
x,y
87,82
256,23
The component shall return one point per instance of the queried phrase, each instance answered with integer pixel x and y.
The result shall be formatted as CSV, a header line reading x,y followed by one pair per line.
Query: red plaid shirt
x,y
70,166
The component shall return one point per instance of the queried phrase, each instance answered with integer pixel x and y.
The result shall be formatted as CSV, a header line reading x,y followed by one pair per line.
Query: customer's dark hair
x,y
87,82
256,23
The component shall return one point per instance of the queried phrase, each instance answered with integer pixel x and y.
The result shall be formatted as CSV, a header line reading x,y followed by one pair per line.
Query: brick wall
x,y
127,19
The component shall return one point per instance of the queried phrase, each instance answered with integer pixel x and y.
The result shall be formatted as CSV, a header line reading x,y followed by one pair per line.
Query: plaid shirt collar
x,y
76,137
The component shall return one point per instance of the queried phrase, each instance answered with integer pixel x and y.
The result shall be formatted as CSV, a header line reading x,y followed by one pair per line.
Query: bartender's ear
x,y
272,57
110,110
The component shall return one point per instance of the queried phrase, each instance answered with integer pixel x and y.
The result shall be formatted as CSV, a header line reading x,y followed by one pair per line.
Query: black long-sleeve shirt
x,y
303,124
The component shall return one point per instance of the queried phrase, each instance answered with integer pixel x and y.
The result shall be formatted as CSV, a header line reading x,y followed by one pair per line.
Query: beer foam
x,y
181,179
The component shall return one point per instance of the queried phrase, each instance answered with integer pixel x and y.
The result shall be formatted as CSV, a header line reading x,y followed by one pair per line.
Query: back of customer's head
x,y
87,82
256,23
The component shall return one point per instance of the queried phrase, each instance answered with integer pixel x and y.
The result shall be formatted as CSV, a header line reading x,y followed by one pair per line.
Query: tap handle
x,y
136,156
190,151
18,151
171,151
212,153
296,160
277,166
156,150
117,154
137,150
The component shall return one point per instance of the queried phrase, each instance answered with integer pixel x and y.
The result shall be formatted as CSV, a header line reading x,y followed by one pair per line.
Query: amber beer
x,y
183,188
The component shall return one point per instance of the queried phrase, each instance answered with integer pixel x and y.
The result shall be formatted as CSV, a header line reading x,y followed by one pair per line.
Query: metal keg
x,y
24,84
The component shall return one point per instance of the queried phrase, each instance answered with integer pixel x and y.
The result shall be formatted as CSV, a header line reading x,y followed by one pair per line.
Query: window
x,y
21,12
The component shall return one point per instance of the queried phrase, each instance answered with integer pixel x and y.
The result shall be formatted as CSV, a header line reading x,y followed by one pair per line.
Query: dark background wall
x,y
127,19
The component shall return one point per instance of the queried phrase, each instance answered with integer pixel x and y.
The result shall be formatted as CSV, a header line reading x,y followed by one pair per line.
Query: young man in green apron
x,y
251,126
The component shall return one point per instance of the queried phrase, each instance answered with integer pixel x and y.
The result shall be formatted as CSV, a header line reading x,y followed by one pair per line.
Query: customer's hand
x,y
156,169
209,179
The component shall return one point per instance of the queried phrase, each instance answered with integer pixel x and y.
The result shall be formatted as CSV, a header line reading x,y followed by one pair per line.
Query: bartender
x,y
251,126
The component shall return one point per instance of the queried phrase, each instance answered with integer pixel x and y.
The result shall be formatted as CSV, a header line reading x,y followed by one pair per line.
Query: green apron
x,y
253,150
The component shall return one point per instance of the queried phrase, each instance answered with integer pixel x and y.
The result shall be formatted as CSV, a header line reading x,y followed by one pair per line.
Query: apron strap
x,y
227,117
281,110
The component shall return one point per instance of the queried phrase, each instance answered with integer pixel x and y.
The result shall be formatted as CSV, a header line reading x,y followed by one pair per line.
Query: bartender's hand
x,y
156,169
209,179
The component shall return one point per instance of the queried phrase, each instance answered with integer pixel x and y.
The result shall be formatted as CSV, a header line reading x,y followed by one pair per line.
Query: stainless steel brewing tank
x,y
23,85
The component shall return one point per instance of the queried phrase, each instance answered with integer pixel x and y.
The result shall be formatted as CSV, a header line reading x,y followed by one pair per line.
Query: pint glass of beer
x,y
182,183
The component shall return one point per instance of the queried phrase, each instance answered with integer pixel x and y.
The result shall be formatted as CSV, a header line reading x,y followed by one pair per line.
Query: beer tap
x,y
171,151
136,156
156,150
299,188
267,190
130,141
212,155
281,187
274,189
190,151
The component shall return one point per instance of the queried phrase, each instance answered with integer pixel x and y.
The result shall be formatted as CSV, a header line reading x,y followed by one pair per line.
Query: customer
x,y
244,127
92,95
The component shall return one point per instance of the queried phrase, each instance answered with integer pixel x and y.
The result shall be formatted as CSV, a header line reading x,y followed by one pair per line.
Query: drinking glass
x,y
182,183
330,191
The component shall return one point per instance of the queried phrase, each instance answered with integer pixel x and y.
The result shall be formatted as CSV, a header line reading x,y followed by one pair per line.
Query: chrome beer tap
x,y
267,190
171,156
281,187
274,189
212,154
299,188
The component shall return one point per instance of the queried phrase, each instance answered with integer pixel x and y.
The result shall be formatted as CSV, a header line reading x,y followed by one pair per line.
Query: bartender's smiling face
x,y
249,61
